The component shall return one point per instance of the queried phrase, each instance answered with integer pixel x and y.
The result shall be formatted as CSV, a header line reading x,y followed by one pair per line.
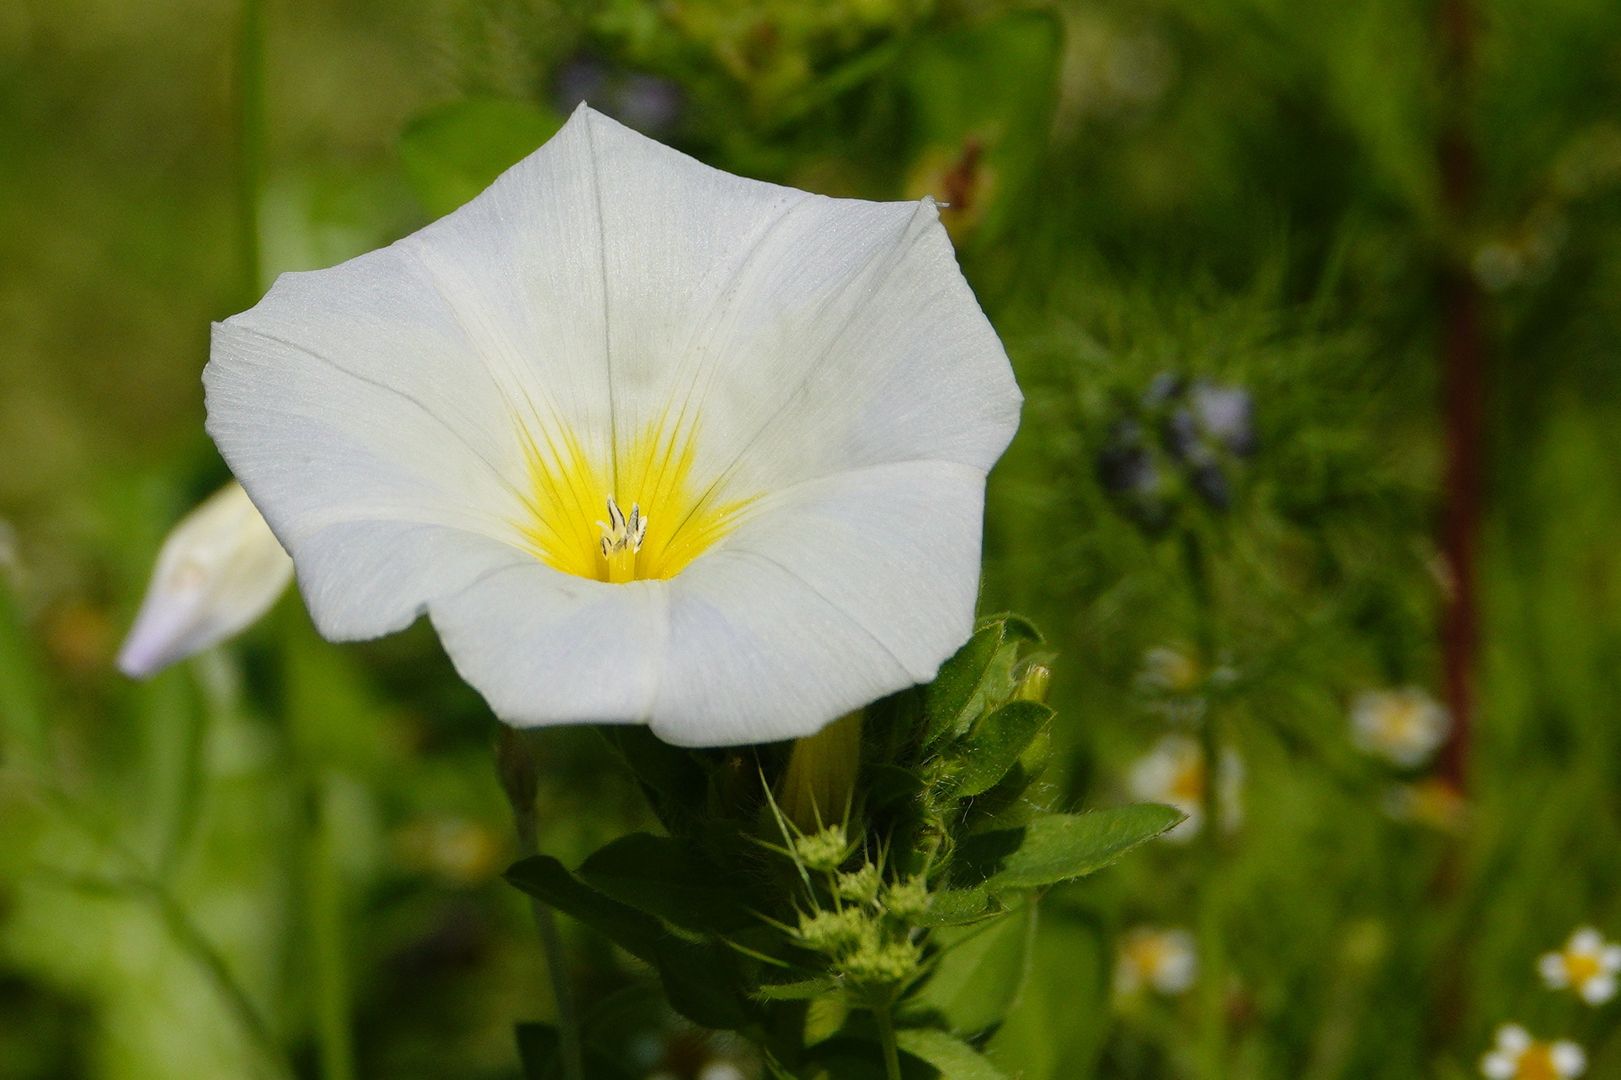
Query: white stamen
x,y
620,533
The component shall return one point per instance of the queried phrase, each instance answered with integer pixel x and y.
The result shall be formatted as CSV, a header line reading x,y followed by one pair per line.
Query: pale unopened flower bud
x,y
218,571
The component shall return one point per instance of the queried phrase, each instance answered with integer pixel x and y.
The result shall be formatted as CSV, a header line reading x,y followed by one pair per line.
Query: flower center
x,y
1537,1063
621,539
1581,967
671,521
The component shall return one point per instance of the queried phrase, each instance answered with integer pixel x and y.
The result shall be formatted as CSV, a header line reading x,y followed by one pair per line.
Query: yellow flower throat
x,y
643,517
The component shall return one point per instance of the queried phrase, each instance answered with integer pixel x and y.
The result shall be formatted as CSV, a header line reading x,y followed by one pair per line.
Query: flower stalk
x,y
1212,958
515,766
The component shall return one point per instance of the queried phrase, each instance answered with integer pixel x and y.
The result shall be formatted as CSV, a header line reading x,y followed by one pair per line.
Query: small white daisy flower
x,y
646,442
1403,726
1517,1056
1587,965
1163,960
1174,773
219,570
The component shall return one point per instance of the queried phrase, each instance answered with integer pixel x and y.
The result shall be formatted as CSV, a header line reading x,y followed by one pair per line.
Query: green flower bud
x,y
835,931
823,850
1033,687
860,885
880,963
906,899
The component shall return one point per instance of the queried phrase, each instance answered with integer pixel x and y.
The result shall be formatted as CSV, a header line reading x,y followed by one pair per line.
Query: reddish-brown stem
x,y
1463,356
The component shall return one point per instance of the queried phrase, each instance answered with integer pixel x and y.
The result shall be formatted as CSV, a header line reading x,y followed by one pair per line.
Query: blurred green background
x,y
290,844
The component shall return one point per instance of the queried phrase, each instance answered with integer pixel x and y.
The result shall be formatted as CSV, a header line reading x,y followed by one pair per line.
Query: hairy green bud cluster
x,y
860,886
836,932
879,962
906,899
823,850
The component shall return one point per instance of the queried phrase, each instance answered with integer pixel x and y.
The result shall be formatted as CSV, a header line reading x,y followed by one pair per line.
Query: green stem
x,y
1212,954
886,1037
515,765
250,145
324,897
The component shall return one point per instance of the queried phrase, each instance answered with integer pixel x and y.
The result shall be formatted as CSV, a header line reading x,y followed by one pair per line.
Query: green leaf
x,y
956,907
979,973
978,676
1059,847
802,990
671,777
993,747
700,979
548,880
954,1059
453,152
667,878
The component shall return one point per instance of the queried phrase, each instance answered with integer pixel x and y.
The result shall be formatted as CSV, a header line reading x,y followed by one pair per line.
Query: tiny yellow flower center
x,y
1399,723
1149,953
1581,967
671,519
1536,1063
1188,783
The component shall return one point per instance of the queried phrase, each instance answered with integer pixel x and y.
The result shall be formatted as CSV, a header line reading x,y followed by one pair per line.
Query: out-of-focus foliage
x,y
286,857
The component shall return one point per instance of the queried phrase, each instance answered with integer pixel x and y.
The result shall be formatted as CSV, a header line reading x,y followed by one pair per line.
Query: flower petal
x,y
219,570
825,357
842,591
544,647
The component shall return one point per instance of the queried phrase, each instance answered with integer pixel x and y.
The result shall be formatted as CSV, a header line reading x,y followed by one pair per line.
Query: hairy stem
x,y
886,1037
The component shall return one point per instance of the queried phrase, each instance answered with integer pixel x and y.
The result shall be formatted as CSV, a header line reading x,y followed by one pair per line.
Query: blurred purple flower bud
x,y
1164,387
1210,482
649,104
1227,414
583,78
1181,434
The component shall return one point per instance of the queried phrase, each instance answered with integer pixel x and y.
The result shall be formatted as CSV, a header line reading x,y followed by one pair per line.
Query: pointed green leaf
x,y
994,745
546,879
1058,847
979,973
979,676
953,1058
957,907
700,979
803,990
667,878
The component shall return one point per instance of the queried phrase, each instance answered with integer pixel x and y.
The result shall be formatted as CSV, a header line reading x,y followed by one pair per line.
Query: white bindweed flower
x,y
1587,965
1517,1056
1161,959
1402,726
646,441
219,570
1174,773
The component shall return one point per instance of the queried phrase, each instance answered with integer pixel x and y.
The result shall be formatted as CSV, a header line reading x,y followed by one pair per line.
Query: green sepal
x,y
1058,847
